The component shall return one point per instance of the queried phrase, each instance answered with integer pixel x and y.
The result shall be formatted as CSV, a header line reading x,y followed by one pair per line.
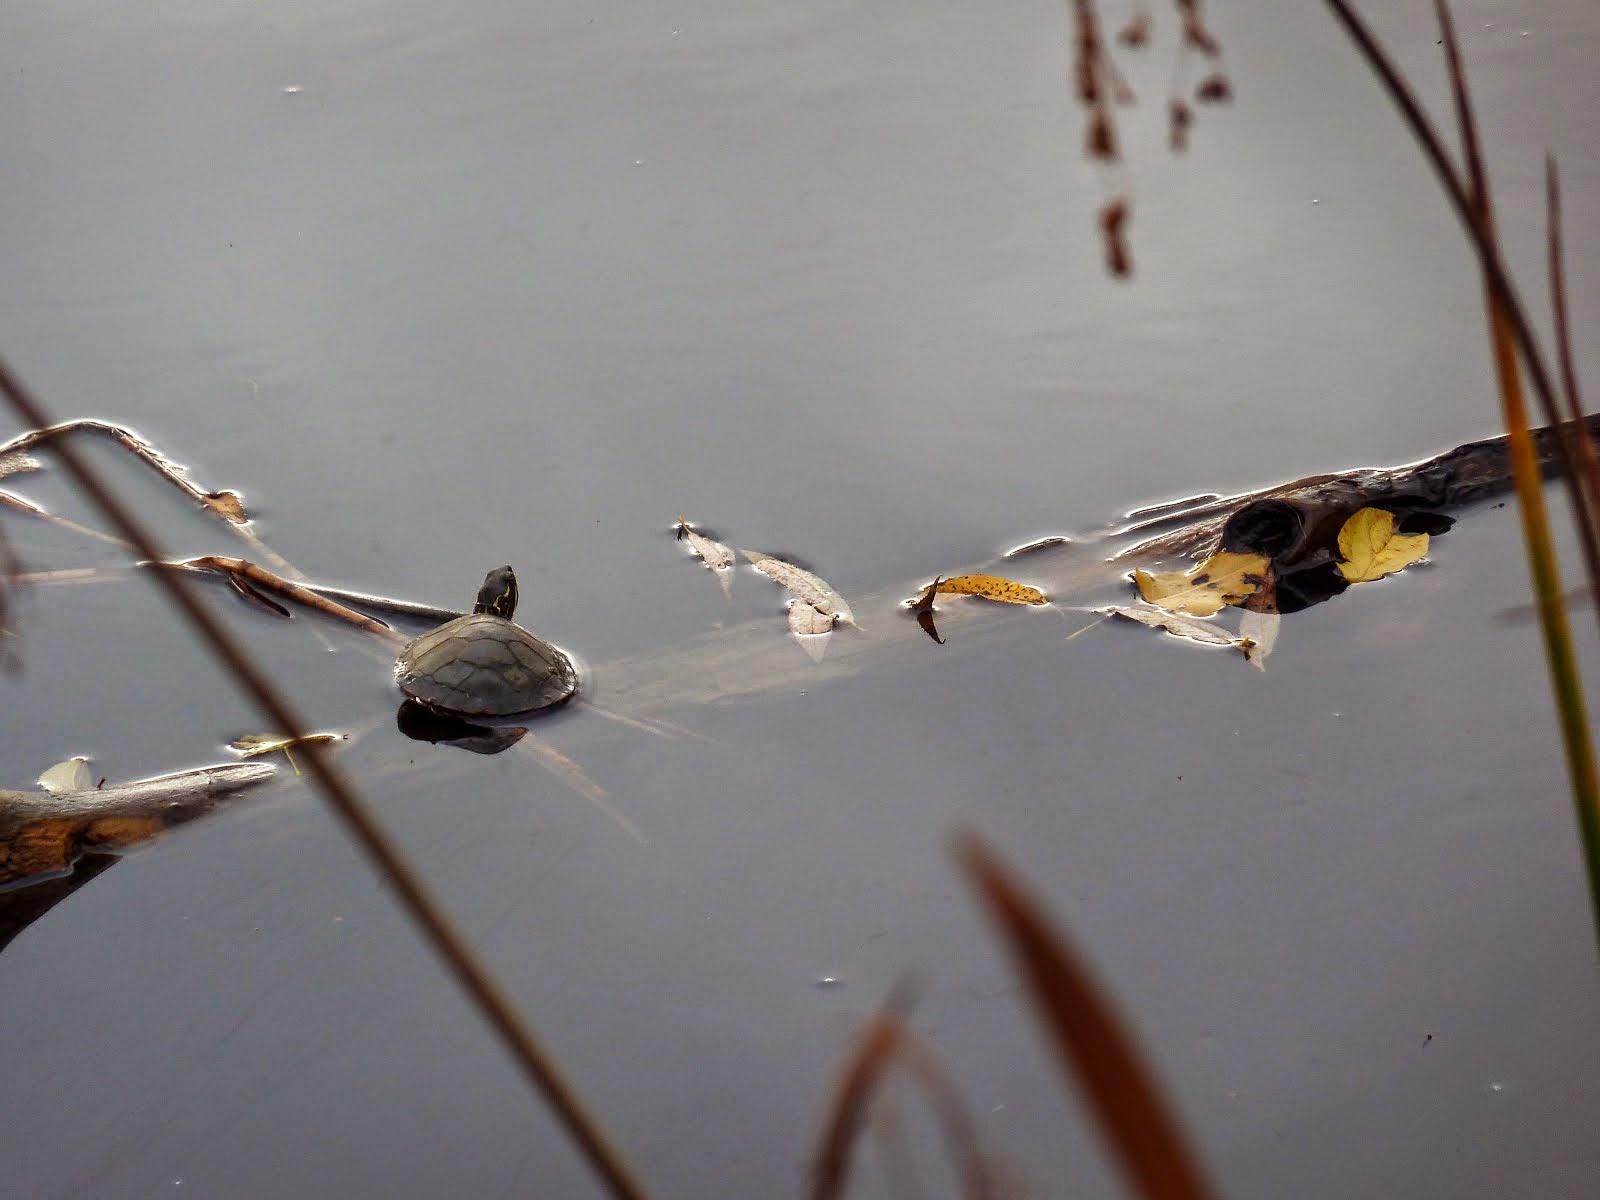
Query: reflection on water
x,y
422,724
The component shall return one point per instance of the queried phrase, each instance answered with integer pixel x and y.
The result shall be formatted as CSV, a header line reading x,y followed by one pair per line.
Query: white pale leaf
x,y
70,776
802,583
811,628
1192,628
1258,634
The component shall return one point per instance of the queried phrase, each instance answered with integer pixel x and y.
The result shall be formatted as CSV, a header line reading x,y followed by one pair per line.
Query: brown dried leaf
x,y
805,620
1214,89
922,606
811,628
713,553
814,591
227,505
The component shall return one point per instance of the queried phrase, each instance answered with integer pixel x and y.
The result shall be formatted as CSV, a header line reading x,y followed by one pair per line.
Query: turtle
x,y
483,664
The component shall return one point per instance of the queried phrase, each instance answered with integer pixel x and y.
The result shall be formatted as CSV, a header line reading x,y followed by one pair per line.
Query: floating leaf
x,y
1258,634
70,776
922,606
711,552
17,464
227,505
1224,578
811,628
803,584
991,587
252,745
1371,547
715,555
1192,628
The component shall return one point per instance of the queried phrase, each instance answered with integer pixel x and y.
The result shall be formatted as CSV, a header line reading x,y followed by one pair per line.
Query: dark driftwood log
x,y
44,833
753,657
53,844
1474,471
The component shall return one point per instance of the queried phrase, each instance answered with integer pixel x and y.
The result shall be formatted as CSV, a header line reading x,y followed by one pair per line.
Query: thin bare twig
x,y
382,851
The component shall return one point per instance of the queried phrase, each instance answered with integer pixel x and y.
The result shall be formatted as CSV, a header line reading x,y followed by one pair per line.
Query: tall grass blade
x,y
1584,445
1089,1039
1542,566
871,1059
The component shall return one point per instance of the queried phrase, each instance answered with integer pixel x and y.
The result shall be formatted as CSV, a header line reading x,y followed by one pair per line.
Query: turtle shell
x,y
484,666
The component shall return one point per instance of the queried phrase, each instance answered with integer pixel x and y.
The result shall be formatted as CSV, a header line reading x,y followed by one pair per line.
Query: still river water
x,y
441,287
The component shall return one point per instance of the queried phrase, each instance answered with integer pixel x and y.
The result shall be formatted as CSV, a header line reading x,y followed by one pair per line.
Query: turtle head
x,y
498,595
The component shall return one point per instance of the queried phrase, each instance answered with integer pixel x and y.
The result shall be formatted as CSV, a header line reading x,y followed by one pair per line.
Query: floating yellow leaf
x,y
1371,548
1224,578
991,587
803,584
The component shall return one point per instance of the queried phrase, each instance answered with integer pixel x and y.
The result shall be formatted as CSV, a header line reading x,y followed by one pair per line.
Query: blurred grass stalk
x,y
1510,333
1091,1042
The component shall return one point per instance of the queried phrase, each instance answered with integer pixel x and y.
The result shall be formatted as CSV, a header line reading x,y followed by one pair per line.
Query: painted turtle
x,y
483,665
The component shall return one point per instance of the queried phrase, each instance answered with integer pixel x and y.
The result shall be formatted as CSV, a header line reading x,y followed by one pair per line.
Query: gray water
x,y
441,288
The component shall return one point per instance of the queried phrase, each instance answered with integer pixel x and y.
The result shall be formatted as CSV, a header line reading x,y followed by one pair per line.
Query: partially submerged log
x,y
44,833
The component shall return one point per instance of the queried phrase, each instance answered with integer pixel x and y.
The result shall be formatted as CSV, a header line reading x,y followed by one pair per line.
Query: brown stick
x,y
225,504
239,568
31,509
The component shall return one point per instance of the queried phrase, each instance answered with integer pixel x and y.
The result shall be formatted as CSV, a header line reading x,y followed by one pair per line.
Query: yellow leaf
x,y
1372,549
991,587
1224,578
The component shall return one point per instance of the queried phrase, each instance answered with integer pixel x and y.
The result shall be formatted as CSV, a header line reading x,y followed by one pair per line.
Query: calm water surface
x,y
445,288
